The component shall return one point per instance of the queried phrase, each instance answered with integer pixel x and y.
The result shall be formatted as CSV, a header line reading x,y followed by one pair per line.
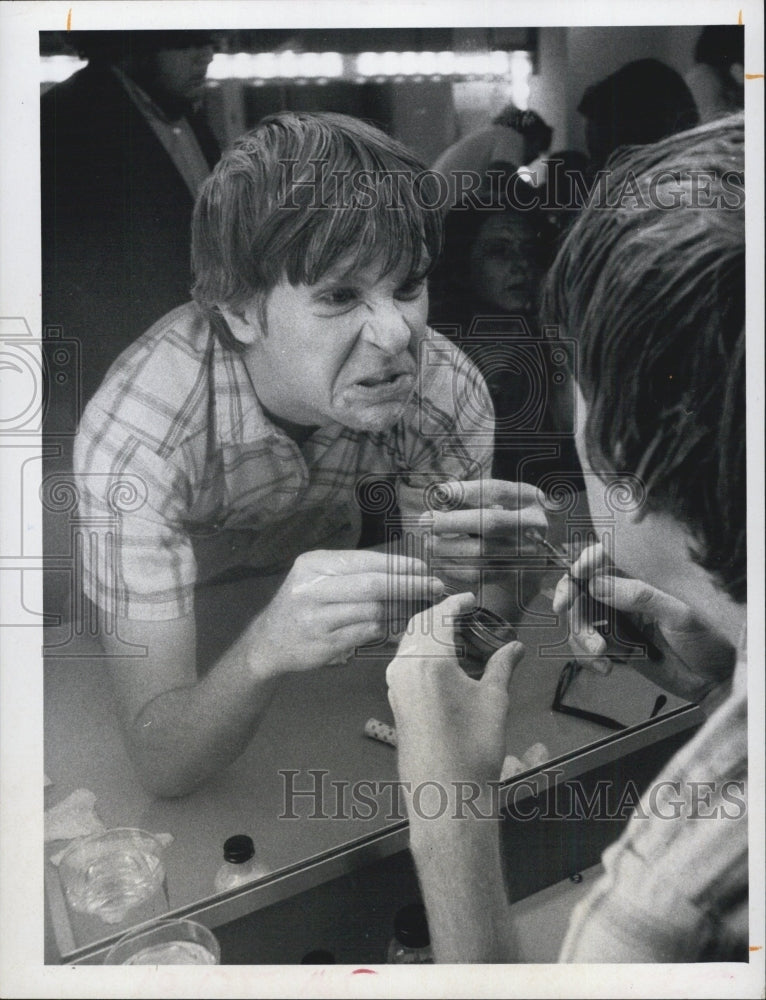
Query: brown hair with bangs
x,y
302,193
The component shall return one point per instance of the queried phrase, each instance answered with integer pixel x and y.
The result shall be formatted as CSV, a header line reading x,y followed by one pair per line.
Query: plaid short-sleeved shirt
x,y
181,475
675,887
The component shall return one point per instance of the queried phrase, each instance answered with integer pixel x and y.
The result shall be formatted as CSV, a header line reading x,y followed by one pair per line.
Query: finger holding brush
x,y
599,628
686,658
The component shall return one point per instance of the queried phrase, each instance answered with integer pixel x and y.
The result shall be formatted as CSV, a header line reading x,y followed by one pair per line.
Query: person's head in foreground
x,y
312,239
654,294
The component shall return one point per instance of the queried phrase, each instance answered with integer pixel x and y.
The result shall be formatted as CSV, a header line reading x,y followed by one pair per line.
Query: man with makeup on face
x,y
654,293
234,438
124,149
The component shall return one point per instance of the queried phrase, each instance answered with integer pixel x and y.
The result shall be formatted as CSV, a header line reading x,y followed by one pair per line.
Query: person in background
x,y
247,423
640,103
717,79
561,184
485,293
654,293
124,149
514,137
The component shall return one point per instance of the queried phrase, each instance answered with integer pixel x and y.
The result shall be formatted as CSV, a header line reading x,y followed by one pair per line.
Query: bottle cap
x,y
411,926
238,849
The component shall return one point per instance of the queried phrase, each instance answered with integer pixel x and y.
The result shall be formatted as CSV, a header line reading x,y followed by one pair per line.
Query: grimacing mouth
x,y
369,383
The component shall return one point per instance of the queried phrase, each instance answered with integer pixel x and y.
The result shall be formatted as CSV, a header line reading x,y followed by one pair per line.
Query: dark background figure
x,y
536,133
717,79
514,136
562,186
642,102
123,149
484,294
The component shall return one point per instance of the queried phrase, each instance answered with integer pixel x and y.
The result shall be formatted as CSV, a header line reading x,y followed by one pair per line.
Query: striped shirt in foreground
x,y
676,882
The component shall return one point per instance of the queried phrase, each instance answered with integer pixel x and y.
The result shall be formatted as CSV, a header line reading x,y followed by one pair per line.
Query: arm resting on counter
x,y
179,729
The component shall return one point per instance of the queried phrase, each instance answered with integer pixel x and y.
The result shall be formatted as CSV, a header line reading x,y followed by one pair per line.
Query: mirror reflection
x,y
305,415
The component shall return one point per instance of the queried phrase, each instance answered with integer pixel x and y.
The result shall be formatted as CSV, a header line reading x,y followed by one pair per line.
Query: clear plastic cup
x,y
113,879
166,942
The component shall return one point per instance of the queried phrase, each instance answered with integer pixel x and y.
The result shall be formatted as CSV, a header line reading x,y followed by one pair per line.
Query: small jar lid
x,y
492,629
485,630
238,849
411,926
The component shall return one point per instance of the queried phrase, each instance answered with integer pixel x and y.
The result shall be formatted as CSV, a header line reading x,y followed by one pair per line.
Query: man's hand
x,y
695,661
480,519
333,601
449,727
452,730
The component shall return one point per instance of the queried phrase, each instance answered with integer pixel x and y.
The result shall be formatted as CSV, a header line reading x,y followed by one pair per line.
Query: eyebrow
x,y
329,279
332,280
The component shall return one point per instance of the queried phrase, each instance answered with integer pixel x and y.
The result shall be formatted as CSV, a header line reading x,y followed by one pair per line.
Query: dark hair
x,y
114,46
641,102
300,193
653,291
527,123
721,45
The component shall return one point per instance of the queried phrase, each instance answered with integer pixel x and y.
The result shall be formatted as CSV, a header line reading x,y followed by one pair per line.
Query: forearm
x,y
185,734
459,865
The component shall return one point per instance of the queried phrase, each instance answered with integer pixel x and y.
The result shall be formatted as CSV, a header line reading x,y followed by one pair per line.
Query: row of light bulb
x,y
333,65
290,65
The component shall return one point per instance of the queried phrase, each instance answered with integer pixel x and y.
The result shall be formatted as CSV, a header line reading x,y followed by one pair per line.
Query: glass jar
x,y
482,632
167,942
112,881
